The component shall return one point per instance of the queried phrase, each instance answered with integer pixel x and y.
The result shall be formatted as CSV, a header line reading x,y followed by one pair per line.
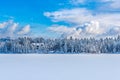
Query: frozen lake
x,y
60,67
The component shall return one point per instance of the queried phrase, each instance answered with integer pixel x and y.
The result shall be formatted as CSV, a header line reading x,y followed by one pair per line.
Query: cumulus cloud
x,y
94,28
61,29
94,24
75,15
2,25
5,24
80,15
104,20
91,27
25,30
86,30
65,31
115,4
11,28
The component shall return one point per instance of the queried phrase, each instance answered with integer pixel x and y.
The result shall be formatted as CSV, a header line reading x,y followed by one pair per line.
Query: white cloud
x,y
93,25
80,15
76,2
4,24
61,29
25,30
113,4
94,28
87,30
90,29
11,28
75,15
65,31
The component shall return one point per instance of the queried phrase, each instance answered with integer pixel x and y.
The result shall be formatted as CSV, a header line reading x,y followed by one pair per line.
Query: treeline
x,y
61,46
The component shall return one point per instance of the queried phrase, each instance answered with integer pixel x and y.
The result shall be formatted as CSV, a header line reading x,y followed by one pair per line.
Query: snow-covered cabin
x,y
38,45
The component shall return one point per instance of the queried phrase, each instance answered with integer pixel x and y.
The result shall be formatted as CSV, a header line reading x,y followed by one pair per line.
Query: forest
x,y
29,45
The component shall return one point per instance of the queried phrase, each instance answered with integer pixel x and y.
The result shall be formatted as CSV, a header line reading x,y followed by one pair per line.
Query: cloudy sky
x,y
55,18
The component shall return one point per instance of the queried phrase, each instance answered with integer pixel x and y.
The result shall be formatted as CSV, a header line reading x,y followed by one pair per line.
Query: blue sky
x,y
77,18
26,11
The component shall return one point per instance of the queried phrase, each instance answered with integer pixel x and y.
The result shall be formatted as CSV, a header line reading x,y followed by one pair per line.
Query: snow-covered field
x,y
60,67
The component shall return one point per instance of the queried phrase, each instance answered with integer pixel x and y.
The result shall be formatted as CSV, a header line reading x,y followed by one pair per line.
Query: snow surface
x,y
60,67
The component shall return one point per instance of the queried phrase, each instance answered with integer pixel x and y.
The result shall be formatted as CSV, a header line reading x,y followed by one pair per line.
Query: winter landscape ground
x,y
59,67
